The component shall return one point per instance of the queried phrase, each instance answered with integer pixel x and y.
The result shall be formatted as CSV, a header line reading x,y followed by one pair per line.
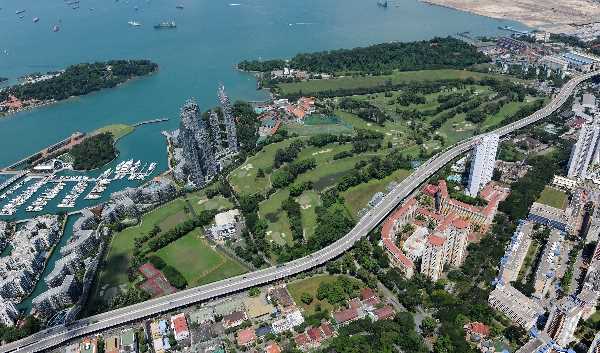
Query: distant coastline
x,y
552,16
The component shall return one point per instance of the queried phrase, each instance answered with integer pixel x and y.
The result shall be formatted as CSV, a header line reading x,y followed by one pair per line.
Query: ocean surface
x,y
210,38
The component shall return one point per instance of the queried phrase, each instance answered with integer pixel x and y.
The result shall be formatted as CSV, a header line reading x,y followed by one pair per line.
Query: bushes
x,y
292,207
298,188
286,175
174,277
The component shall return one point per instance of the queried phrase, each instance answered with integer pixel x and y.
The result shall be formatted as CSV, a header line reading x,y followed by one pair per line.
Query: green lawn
x,y
243,179
308,201
357,197
117,130
197,261
201,203
553,197
315,86
310,286
120,252
506,111
279,225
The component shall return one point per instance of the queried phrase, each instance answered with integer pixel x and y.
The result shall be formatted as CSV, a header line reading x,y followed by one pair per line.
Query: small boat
x,y
36,19
55,28
165,24
18,12
179,7
134,23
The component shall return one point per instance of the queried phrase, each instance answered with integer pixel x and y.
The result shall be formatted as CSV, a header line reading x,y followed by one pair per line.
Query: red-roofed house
x,y
367,293
383,313
302,340
315,334
345,316
327,330
272,348
476,331
246,337
180,327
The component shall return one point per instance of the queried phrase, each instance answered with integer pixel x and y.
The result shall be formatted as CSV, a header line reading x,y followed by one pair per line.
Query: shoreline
x,y
553,16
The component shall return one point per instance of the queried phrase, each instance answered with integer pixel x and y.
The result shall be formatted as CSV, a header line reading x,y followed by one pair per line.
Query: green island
x,y
75,80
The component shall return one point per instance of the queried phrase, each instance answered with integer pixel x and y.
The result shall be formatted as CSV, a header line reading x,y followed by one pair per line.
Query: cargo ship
x,y
165,24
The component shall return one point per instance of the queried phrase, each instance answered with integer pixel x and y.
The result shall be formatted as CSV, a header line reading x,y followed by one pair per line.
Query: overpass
x,y
55,336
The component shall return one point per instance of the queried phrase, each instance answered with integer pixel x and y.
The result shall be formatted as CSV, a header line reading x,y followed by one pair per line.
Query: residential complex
x,y
563,321
511,262
584,150
512,303
482,165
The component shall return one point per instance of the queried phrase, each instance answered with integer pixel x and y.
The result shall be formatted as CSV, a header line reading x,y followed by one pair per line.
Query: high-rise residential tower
x,y
583,151
563,321
232,141
482,166
215,128
200,165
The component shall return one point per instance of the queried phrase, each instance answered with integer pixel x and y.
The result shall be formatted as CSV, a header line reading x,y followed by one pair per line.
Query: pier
x,y
152,121
12,179
65,144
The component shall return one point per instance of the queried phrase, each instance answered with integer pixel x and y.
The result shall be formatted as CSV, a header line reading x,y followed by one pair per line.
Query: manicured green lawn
x,y
357,197
279,225
310,286
553,197
201,203
244,180
120,252
308,201
197,261
117,130
315,86
506,111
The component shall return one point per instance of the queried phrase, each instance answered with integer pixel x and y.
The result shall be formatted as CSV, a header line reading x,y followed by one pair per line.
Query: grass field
x,y
117,130
316,86
114,273
310,286
244,180
308,201
279,225
357,197
553,197
197,261
200,202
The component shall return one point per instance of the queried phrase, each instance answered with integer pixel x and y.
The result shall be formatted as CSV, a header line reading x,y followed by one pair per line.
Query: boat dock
x,y
153,121
12,179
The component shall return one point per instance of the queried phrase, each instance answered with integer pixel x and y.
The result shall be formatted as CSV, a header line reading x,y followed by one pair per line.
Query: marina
x,y
46,188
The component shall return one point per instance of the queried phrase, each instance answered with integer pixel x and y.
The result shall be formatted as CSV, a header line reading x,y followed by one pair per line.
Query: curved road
x,y
57,335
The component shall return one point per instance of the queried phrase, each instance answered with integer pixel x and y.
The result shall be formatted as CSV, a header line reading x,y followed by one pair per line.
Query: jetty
x,y
62,145
152,121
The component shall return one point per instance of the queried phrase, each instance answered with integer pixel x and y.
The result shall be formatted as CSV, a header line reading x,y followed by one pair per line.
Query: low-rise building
x,y
245,337
550,216
180,327
546,273
234,319
128,341
228,225
511,262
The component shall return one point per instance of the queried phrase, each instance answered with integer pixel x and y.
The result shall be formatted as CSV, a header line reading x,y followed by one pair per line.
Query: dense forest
x,y
94,152
82,79
436,53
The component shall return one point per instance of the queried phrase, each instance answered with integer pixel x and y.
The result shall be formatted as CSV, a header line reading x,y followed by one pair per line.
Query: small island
x,y
76,80
94,152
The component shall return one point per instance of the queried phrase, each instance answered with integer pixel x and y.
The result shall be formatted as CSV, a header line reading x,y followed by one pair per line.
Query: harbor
x,y
55,192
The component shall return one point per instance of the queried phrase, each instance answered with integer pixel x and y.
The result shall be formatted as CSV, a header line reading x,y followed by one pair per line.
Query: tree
x,y
428,326
306,298
443,345
254,292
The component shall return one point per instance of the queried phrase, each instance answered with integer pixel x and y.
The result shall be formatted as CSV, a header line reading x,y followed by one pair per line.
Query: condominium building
x,y
511,262
550,216
482,166
198,166
563,321
392,225
546,271
595,346
447,245
8,312
512,303
583,151
232,141
55,299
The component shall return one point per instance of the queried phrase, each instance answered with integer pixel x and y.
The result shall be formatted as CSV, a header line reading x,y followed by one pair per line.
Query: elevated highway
x,y
57,335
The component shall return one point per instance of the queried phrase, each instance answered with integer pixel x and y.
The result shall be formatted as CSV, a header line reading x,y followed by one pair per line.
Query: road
x,y
57,335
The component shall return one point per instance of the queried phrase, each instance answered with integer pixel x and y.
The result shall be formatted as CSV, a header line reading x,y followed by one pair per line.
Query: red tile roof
x,y
384,313
372,301
460,223
327,329
302,339
443,188
478,328
345,315
273,348
428,214
246,336
430,189
386,233
435,240
179,323
315,334
355,303
367,293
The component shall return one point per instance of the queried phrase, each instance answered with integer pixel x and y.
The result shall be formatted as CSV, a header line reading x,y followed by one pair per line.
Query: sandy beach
x,y
554,16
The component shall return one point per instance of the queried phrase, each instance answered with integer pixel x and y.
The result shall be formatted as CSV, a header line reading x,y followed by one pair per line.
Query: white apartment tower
x,y
583,151
563,321
482,166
